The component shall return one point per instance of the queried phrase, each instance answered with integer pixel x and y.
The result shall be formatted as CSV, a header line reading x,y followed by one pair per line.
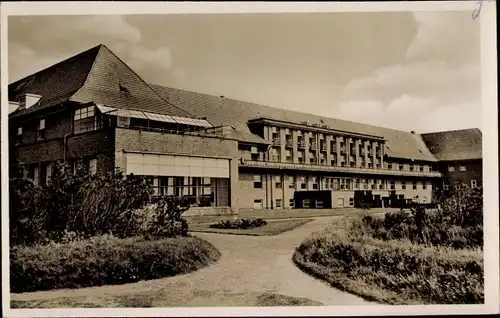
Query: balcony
x,y
289,143
301,145
316,167
276,142
313,146
323,147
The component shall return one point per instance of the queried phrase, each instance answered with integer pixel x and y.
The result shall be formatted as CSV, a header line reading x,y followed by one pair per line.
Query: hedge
x,y
105,260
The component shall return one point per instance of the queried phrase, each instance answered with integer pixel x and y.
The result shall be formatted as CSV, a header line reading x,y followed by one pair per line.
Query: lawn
x,y
273,227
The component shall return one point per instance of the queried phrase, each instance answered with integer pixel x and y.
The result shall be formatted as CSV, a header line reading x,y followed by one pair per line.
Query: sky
x,y
415,71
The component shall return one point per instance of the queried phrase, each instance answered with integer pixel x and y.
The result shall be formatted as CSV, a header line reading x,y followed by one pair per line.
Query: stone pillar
x,y
295,146
328,139
374,155
282,134
235,192
357,143
307,156
365,147
337,141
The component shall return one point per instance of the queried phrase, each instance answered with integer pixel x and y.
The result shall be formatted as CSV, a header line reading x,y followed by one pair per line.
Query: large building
x,y
220,153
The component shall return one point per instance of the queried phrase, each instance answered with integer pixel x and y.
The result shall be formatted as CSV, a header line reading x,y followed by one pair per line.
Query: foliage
x,y
79,262
395,271
457,223
241,224
160,220
89,205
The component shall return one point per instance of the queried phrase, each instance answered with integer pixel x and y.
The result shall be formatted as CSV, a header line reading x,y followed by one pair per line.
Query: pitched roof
x,y
465,144
226,111
96,75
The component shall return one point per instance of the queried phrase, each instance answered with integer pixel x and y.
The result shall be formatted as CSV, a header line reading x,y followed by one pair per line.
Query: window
x,y
463,168
389,166
278,182
48,173
451,168
19,131
36,175
319,204
314,181
41,130
473,184
414,185
257,204
93,166
257,182
278,203
291,182
400,167
351,201
421,168
393,185
306,203
381,186
288,155
303,184
411,167
403,185
424,185
254,153
86,120
373,185
446,186
291,203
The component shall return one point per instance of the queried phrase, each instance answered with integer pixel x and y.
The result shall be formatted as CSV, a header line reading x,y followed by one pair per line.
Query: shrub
x,y
160,220
396,272
80,262
88,205
241,224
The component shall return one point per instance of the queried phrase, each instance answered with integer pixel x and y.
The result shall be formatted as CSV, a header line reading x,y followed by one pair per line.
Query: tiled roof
x,y
463,144
226,111
96,75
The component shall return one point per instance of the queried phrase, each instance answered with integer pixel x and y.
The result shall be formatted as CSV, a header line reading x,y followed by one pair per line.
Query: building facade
x,y
92,110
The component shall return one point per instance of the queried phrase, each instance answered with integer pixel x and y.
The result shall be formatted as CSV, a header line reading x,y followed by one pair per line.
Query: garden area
x,y
252,227
414,256
82,230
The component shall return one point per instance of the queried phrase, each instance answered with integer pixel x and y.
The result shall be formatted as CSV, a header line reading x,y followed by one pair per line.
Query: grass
x,y
167,299
105,260
279,214
394,271
271,228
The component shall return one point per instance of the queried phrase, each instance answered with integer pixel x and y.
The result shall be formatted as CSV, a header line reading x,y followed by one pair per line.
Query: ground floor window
x,y
278,203
291,203
306,203
198,191
257,204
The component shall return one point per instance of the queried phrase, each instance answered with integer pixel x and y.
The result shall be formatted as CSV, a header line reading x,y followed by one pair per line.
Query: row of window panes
x,y
336,183
461,168
473,185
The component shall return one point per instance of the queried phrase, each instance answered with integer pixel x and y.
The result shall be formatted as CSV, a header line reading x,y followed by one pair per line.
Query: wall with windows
x,y
468,172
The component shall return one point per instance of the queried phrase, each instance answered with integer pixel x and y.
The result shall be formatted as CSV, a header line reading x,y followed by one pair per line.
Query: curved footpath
x,y
249,266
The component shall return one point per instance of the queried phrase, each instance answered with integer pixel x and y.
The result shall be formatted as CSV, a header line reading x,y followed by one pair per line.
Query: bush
x,y
160,220
395,272
241,224
79,262
90,206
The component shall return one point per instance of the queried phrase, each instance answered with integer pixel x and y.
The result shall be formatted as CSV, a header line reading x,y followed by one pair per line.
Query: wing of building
x,y
221,154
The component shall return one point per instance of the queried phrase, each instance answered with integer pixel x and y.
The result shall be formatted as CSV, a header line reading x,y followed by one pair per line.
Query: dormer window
x,y
41,130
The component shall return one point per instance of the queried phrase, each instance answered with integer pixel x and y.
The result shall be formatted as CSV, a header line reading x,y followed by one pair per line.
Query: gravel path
x,y
249,266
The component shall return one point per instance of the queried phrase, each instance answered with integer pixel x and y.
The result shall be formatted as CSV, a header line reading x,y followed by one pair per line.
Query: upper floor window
x,y
86,119
451,168
463,168
19,131
257,182
41,130
278,182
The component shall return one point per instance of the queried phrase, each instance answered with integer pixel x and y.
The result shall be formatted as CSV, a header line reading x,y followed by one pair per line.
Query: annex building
x,y
222,154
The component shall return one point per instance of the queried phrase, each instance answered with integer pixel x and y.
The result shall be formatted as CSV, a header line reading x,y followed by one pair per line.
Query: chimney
x,y
221,96
27,100
413,132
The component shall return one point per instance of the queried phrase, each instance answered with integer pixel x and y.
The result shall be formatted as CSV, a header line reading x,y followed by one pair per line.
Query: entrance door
x,y
340,202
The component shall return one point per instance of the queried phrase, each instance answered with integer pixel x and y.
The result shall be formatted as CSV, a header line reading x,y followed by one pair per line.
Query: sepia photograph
x,y
248,159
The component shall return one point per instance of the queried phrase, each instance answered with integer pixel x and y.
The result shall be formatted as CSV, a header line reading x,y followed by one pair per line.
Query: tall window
x,y
41,130
291,182
451,168
473,184
257,181
86,119
403,185
278,182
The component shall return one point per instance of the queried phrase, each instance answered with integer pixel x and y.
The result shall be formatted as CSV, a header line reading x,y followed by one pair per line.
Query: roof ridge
x,y
451,131
147,84
55,64
91,68
288,110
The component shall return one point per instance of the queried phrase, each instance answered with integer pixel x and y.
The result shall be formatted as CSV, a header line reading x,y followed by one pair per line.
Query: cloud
x,y
437,87
33,39
413,113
